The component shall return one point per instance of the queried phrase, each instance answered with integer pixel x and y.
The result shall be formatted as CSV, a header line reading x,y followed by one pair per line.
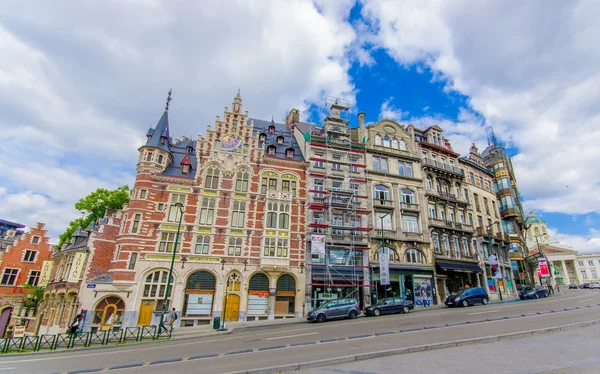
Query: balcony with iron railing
x,y
446,196
509,212
450,225
442,167
383,203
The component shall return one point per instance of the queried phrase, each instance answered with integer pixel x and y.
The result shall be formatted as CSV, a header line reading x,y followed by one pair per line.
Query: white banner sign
x,y
384,267
495,268
317,244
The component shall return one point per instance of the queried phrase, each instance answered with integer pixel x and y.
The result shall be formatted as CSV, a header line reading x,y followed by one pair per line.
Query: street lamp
x,y
168,290
383,248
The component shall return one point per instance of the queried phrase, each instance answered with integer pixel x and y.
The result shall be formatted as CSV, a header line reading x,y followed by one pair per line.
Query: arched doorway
x,y
258,295
153,297
199,293
4,320
109,313
232,298
285,298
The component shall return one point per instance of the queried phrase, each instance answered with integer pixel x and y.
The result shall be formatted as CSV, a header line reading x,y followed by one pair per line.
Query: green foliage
x,y
94,206
34,298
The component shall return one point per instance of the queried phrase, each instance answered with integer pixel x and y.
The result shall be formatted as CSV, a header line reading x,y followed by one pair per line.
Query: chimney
x,y
361,120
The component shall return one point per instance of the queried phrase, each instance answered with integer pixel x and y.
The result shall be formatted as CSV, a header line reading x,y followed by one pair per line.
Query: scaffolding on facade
x,y
337,202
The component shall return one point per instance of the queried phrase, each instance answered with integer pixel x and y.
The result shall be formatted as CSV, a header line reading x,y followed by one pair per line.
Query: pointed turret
x,y
156,153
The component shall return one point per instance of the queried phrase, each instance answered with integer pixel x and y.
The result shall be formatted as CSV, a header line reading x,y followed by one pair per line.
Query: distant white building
x,y
588,267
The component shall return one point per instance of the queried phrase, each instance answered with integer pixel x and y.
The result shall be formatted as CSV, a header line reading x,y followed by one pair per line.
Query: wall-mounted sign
x,y
543,271
91,285
317,244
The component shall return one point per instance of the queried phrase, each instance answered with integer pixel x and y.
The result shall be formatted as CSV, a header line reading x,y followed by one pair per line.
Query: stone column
x,y
272,291
565,273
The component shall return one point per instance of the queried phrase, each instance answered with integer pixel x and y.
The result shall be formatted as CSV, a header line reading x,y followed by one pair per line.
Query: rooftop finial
x,y
238,94
168,100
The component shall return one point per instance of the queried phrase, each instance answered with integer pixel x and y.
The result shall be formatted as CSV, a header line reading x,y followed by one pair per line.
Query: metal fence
x,y
84,339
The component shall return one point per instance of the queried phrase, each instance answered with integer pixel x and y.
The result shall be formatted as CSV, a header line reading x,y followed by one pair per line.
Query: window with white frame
x,y
132,260
207,211
202,244
451,214
289,186
429,182
238,214
35,239
241,181
136,223
278,216
335,165
143,194
382,192
167,241
386,217
319,185
414,256
456,246
378,140
212,178
594,274
410,223
461,216
235,247
465,245
29,255
9,277
583,274
402,145
446,242
432,211
386,141
408,196
405,168
380,164
175,211
435,239
353,167
276,247
155,288
34,278
319,163
394,143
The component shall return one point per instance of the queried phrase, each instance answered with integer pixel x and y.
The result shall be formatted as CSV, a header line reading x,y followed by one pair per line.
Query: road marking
x,y
489,311
292,336
583,301
7,368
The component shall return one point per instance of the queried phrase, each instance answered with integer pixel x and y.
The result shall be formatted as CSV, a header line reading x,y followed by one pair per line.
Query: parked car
x,y
390,305
584,285
335,309
594,285
573,286
468,296
529,292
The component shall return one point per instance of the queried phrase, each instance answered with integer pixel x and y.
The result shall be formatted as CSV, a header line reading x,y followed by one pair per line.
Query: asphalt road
x,y
284,344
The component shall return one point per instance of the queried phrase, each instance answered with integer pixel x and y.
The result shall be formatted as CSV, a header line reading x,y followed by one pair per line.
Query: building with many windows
x,y
26,263
239,195
587,267
399,214
450,229
489,239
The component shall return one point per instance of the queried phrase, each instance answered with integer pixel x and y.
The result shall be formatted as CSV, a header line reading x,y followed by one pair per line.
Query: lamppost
x,y
168,290
383,250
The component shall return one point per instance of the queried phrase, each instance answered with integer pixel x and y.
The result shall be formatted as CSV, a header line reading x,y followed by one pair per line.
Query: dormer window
x,y
185,169
262,137
272,129
163,140
271,150
190,150
289,153
280,140
149,137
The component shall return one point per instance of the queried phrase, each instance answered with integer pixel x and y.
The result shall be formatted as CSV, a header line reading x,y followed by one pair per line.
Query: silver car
x,y
335,309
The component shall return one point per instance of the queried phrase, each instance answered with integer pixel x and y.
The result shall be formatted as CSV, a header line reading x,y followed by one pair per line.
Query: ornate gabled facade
x,y
451,232
240,250
489,239
399,214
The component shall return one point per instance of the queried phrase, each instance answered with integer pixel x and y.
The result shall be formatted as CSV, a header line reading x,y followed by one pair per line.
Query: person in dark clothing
x,y
75,325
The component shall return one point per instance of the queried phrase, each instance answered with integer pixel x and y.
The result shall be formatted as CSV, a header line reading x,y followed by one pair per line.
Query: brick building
x,y
27,262
241,245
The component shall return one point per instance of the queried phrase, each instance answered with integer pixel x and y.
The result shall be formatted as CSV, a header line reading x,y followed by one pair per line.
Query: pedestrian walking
x,y
424,297
172,318
75,325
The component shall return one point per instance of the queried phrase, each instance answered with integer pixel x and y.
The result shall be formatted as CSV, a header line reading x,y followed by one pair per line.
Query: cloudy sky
x,y
81,82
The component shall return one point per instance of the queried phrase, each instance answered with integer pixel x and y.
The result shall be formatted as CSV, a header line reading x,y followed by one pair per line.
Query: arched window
x,y
234,283
155,288
258,294
457,190
413,256
386,141
212,178
402,145
382,192
390,253
408,196
378,140
438,188
241,181
429,182
394,143
445,187
202,244
108,312
201,280
200,289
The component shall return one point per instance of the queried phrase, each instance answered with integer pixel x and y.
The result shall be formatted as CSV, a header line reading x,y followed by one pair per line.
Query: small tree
x,y
34,298
94,206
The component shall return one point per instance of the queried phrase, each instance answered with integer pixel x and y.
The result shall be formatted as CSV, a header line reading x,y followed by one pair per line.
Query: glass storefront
x,y
414,285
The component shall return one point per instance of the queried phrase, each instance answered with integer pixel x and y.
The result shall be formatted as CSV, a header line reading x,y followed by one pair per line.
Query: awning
x,y
458,267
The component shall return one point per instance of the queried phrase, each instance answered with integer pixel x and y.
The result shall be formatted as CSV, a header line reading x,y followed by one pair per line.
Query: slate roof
x,y
179,150
161,129
289,140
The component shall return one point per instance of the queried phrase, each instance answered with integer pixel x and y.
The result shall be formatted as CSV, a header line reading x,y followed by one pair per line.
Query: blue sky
x,y
81,86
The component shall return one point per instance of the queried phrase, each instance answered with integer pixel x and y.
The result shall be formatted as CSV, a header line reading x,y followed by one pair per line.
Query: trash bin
x,y
217,323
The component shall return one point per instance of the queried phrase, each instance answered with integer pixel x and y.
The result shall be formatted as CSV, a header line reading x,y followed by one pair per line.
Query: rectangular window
x,y
476,200
465,245
386,217
405,168
380,164
591,263
238,214
466,195
136,223
142,194
160,207
334,164
583,274
167,241
132,260
432,213
353,167
9,277
480,221
481,182
174,211
410,223
207,212
580,263
35,239
472,178
275,247
436,241
470,219
202,244
486,205
117,252
149,156
494,209
461,216
336,186
29,255
594,274
235,247
319,164
34,278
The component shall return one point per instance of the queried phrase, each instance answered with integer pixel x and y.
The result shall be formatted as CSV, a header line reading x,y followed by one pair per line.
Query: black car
x,y
468,296
532,292
390,305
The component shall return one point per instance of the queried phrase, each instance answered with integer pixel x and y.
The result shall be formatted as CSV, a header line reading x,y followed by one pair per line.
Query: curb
x,y
419,348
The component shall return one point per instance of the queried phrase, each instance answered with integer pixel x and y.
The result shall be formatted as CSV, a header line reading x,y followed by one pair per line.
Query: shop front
x,y
454,275
415,283
332,283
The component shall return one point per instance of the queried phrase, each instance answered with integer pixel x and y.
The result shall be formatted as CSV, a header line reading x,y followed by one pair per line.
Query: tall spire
x,y
169,100
238,94
160,137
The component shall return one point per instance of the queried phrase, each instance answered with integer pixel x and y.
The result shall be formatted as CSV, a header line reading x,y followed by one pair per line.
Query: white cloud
x,y
529,68
81,83
580,243
389,111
